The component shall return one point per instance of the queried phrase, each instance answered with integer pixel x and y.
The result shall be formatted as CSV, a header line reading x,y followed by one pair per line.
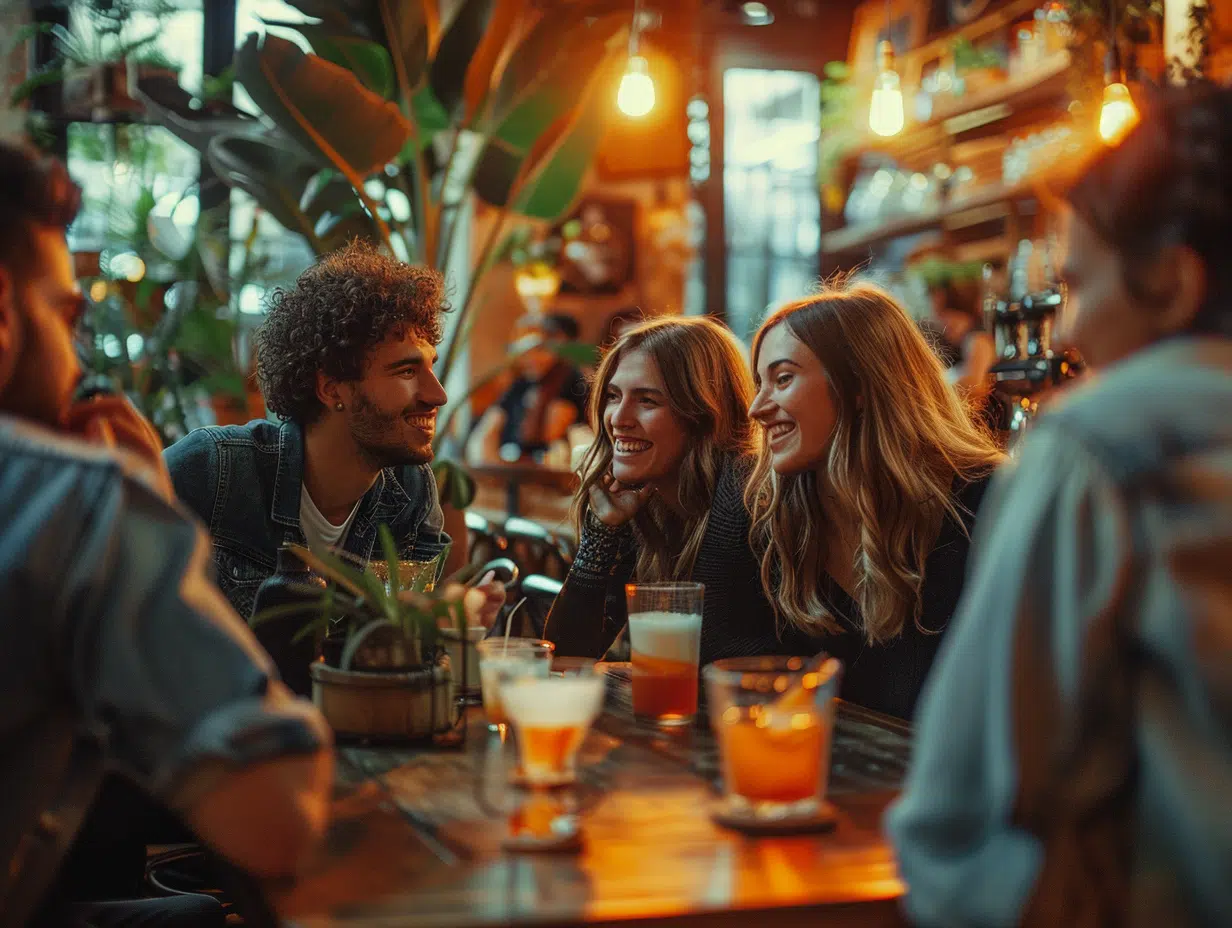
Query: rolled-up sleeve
x,y
1048,549
156,656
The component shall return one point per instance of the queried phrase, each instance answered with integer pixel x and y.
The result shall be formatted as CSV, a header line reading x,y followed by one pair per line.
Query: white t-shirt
x,y
320,532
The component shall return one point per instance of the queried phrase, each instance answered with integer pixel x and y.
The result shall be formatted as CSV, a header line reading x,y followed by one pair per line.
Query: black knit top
x,y
737,619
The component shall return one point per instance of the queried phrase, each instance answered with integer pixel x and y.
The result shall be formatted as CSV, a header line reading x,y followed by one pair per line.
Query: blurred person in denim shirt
x,y
1073,757
118,652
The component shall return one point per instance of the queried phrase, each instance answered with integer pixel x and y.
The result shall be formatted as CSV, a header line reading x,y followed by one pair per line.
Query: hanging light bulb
x,y
1118,114
636,96
885,113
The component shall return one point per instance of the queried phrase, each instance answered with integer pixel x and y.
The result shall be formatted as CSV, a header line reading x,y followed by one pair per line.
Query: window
x,y
772,204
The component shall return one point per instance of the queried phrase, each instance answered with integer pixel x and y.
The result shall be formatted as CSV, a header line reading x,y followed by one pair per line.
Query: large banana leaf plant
x,y
396,117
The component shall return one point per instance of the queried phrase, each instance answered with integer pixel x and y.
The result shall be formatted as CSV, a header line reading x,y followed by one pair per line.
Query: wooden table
x,y
417,838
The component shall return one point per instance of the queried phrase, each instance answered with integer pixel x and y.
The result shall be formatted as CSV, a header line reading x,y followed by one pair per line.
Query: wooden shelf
x,y
858,237
1045,85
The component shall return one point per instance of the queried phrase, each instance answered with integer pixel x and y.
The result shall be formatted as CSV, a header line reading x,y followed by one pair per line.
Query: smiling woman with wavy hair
x,y
865,488
662,489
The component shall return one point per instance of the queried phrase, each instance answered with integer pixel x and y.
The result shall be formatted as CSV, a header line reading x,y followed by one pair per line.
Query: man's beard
x,y
373,430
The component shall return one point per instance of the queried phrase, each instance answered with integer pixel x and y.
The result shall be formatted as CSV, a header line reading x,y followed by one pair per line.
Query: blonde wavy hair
x,y
709,388
901,438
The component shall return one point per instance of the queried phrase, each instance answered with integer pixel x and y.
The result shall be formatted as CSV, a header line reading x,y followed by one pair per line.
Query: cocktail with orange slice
x,y
773,717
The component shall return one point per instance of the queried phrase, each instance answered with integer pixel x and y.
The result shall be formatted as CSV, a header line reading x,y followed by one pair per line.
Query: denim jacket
x,y
1120,505
244,482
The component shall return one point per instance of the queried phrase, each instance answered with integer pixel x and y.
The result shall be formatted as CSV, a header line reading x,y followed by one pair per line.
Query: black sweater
x,y
737,619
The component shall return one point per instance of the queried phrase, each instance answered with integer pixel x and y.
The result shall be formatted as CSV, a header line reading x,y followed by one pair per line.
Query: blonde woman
x,y
865,488
662,490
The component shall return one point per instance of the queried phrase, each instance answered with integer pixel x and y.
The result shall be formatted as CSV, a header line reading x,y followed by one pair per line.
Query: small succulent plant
x,y
386,622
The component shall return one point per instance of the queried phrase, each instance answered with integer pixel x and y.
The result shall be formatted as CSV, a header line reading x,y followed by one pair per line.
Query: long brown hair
x,y
902,437
709,388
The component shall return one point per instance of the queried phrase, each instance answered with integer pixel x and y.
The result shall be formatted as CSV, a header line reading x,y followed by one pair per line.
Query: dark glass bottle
x,y
291,582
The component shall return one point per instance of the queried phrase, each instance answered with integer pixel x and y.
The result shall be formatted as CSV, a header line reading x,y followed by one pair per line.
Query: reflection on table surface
x,y
417,838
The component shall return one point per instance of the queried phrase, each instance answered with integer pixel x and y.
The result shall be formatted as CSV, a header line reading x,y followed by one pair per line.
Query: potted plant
x,y
401,116
382,671
98,63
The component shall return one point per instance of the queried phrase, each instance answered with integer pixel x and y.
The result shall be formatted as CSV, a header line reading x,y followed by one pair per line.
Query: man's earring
x,y
339,407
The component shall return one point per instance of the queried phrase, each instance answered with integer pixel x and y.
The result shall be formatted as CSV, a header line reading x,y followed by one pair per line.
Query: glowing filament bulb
x,y
636,96
1118,114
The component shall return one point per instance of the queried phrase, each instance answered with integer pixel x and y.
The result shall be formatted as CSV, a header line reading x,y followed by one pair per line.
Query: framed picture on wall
x,y
906,26
600,260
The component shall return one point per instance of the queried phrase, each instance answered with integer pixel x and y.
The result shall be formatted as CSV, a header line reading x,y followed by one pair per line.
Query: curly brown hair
x,y
341,308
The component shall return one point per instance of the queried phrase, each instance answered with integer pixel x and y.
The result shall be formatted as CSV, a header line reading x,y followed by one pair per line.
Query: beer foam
x,y
555,702
672,636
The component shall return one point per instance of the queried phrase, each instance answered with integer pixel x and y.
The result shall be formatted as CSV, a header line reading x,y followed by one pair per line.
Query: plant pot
x,y
409,704
98,91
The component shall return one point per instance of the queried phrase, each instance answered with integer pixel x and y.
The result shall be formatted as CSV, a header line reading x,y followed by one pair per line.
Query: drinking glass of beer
x,y
551,716
503,658
773,717
665,628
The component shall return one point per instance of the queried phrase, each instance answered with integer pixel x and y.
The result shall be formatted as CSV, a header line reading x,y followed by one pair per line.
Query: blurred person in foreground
x,y
345,360
1073,755
119,653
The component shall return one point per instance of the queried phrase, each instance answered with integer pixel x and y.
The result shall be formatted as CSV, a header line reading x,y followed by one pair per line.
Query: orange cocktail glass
x,y
773,717
665,624
551,716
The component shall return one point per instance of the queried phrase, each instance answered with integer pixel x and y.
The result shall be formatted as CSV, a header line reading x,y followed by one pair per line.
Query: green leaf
x,y
577,353
547,100
430,119
332,567
47,75
367,60
272,172
447,74
559,51
329,192
453,483
173,107
407,40
389,548
346,17
335,230
552,186
322,106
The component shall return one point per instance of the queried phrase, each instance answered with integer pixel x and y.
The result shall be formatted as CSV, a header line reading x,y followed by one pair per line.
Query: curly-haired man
x,y
345,360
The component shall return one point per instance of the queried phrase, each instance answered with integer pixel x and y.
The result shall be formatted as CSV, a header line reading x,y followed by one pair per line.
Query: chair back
x,y
536,549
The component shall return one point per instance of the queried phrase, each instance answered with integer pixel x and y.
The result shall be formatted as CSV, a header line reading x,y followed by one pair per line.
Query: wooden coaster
x,y
544,824
568,843
745,822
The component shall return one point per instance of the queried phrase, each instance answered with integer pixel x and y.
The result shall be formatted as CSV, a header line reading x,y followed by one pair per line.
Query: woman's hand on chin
x,y
614,503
